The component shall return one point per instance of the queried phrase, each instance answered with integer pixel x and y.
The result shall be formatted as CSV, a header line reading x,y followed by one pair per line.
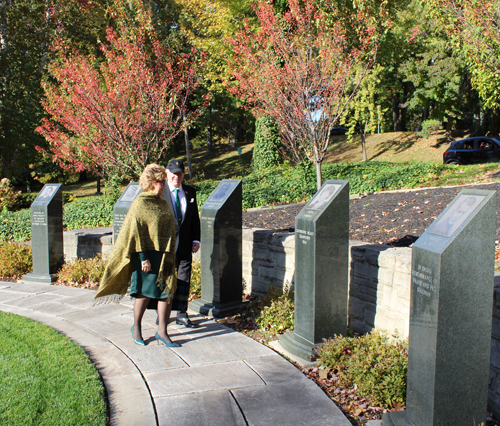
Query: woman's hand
x,y
145,266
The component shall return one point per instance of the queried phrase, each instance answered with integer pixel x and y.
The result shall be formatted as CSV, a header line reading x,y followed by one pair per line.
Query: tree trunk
x,y
318,175
235,132
188,151
395,113
209,139
363,140
229,132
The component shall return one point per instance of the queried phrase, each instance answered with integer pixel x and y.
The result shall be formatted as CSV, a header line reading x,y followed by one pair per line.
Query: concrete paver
x,y
200,409
294,404
217,376
226,375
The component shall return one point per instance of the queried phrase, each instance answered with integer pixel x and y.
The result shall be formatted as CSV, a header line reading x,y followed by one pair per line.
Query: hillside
x,y
394,147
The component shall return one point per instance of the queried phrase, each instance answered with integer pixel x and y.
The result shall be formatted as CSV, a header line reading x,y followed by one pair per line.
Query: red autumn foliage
x,y
302,70
124,113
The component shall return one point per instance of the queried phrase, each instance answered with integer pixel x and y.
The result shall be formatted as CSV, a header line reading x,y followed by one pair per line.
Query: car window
x,y
484,144
468,144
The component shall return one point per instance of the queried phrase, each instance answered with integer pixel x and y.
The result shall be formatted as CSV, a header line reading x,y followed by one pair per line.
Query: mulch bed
x,y
395,218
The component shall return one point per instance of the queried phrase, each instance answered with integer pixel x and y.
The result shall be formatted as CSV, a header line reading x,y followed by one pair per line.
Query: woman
x,y
144,253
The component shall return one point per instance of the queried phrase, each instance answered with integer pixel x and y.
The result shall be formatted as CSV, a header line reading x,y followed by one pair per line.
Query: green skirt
x,y
143,284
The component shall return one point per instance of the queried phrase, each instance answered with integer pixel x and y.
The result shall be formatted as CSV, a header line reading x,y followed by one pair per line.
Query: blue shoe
x,y
137,342
169,345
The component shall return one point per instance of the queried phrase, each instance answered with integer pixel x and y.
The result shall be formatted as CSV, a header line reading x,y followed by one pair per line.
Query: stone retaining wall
x,y
87,243
379,288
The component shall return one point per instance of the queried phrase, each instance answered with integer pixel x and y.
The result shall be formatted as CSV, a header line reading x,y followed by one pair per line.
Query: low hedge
x,y
91,212
287,184
278,185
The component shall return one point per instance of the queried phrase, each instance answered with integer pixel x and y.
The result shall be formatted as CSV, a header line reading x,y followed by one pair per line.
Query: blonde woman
x,y
144,253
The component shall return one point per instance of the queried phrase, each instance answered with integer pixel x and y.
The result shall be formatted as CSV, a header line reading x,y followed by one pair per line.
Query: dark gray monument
x,y
450,316
121,207
46,235
221,251
321,270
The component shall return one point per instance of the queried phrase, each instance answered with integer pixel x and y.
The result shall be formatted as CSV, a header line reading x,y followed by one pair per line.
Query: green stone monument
x,y
451,315
121,207
321,270
221,251
46,235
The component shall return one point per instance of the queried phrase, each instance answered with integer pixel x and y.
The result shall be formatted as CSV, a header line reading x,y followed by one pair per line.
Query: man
x,y
182,201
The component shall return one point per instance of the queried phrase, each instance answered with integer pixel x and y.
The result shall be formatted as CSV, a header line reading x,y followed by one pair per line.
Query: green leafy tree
x,y
27,29
436,71
267,144
474,26
365,115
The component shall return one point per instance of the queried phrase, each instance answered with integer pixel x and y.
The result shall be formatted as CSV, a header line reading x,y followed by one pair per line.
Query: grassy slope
x,y
393,147
224,162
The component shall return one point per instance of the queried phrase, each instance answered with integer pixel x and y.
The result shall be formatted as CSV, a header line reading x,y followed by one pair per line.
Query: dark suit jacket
x,y
190,227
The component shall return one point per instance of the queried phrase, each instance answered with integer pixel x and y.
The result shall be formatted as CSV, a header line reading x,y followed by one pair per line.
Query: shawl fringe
x,y
106,300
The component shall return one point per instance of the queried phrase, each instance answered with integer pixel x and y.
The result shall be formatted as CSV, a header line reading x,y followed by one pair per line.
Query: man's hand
x,y
196,247
145,266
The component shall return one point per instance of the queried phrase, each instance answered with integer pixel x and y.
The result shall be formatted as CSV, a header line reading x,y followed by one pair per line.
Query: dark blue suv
x,y
473,151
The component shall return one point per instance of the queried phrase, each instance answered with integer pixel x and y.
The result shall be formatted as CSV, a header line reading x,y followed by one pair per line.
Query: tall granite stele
x,y
46,235
122,206
221,251
450,316
321,270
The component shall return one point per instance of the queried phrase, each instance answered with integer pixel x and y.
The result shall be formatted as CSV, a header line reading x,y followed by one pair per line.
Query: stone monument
x,y
221,251
450,316
122,206
321,270
46,235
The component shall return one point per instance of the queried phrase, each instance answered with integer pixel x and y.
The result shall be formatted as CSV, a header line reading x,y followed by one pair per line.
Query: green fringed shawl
x,y
149,225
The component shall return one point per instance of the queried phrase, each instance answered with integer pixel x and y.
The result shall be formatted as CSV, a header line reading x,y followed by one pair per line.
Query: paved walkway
x,y
218,377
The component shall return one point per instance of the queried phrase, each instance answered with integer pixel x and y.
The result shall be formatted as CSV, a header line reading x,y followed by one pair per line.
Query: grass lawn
x,y
45,379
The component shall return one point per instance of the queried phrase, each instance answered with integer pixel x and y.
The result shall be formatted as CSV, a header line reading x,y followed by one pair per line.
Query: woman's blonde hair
x,y
151,174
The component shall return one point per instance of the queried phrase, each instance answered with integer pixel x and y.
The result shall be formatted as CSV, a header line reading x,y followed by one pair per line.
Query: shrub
x,y
372,363
85,273
15,226
113,187
429,127
15,260
25,200
195,288
267,142
91,212
8,196
277,316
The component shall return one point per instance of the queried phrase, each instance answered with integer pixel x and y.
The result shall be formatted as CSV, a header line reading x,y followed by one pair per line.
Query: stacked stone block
x,y
379,290
87,243
268,260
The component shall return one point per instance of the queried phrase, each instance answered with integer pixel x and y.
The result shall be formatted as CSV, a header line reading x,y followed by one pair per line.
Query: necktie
x,y
178,211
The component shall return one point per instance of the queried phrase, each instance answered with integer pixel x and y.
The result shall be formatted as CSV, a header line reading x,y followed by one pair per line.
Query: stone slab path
x,y
217,376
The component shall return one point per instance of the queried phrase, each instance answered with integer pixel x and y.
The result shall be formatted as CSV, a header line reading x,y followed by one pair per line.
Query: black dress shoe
x,y
186,322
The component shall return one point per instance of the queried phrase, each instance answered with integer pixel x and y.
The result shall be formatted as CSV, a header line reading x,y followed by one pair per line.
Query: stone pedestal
x,y
450,316
122,206
46,235
221,252
321,270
